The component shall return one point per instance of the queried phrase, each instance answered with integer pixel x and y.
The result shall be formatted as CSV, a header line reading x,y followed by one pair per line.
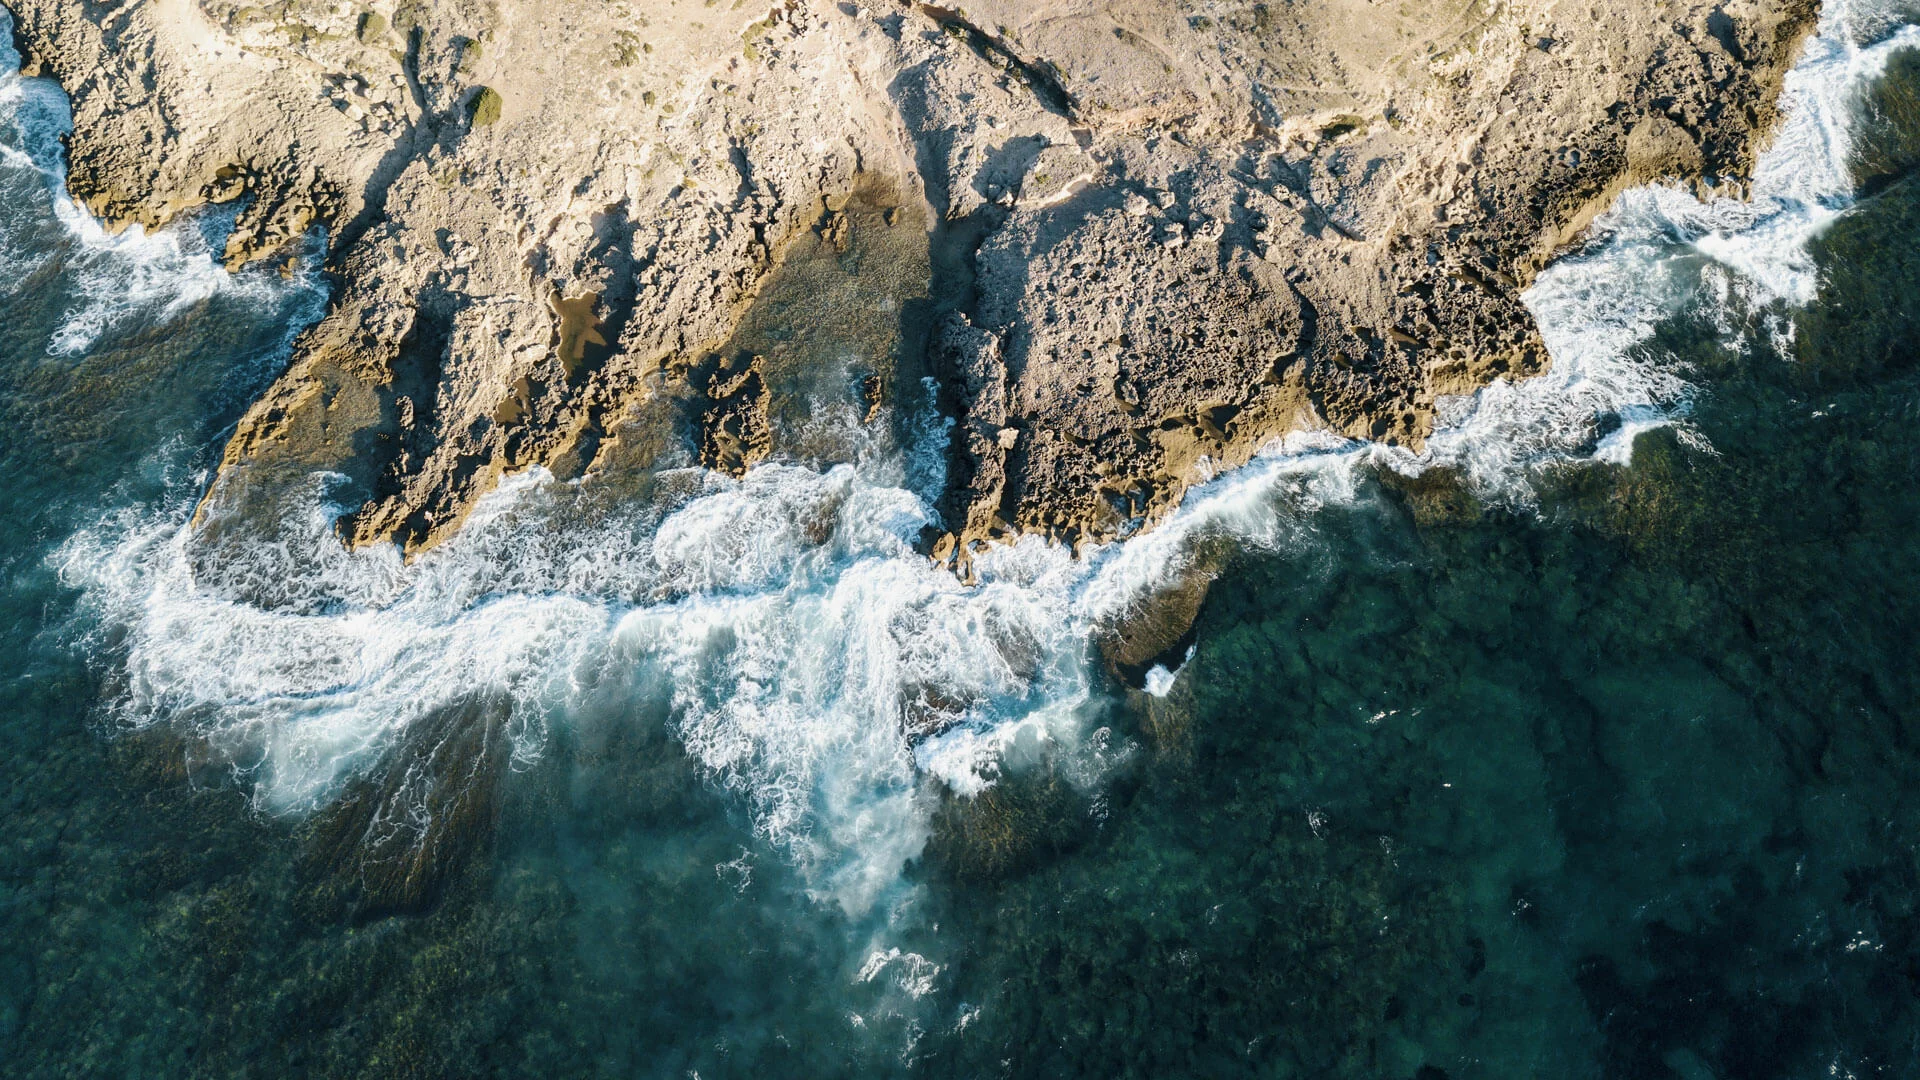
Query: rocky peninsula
x,y
1123,243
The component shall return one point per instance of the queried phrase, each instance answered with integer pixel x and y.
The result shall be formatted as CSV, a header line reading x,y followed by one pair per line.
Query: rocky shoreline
x,y
1128,243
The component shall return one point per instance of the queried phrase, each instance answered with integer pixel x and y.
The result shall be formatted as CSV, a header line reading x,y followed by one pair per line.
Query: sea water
x,y
1575,745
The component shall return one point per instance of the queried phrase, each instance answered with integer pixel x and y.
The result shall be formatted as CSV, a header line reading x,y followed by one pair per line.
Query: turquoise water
x,y
1549,760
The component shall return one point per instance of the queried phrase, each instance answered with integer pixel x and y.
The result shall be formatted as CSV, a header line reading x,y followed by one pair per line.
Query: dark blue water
x,y
1583,764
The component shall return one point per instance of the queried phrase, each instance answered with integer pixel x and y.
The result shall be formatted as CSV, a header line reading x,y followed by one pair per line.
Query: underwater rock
x,y
395,838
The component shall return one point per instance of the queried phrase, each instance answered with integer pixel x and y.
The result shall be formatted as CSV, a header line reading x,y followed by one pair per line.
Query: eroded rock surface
x,y
1129,241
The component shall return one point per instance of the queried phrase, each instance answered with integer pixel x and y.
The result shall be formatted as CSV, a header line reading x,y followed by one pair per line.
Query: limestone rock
x,y
1151,236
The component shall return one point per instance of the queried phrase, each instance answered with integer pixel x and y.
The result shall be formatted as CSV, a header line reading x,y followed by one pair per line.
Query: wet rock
x,y
735,432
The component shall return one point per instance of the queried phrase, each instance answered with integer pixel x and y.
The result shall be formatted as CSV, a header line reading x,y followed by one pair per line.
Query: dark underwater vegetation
x,y
1625,783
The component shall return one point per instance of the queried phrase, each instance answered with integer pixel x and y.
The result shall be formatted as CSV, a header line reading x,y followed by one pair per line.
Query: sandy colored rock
x,y
1130,241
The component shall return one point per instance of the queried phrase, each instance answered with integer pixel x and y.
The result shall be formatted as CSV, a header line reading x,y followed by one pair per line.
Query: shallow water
x,y
1579,747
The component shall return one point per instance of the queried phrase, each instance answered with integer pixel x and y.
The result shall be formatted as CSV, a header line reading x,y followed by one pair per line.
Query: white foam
x,y
816,667
1160,679
298,700
791,630
912,973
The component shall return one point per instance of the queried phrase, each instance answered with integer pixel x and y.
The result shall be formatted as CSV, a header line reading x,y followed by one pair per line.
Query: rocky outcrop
x,y
1130,241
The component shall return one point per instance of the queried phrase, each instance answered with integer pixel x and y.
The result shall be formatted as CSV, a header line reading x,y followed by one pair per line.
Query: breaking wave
x,y
828,676
812,661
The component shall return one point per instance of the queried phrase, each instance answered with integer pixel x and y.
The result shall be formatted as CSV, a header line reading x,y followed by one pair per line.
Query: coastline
x,y
1575,758
1370,242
